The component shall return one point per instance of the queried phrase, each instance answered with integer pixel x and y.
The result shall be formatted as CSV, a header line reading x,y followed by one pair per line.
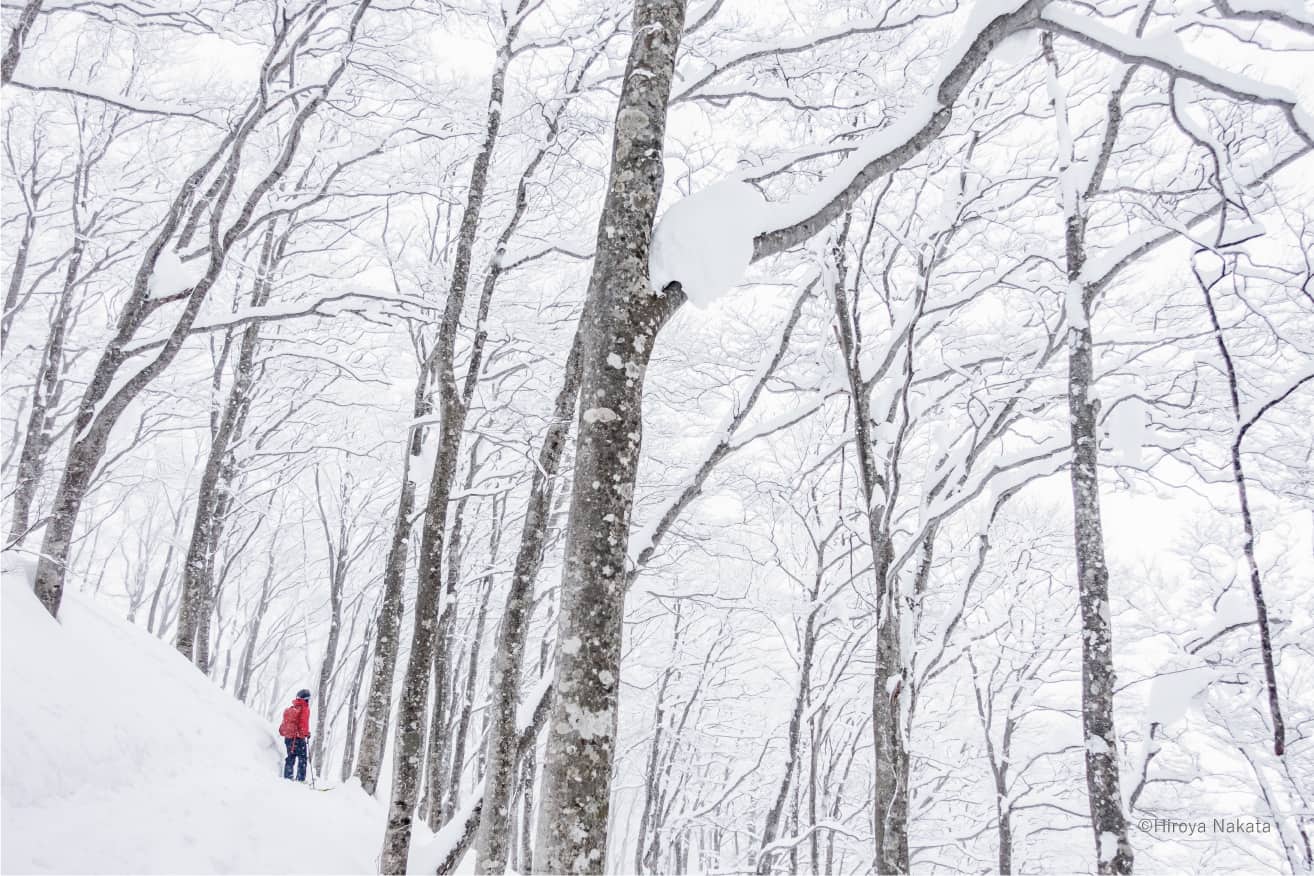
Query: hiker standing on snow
x,y
295,731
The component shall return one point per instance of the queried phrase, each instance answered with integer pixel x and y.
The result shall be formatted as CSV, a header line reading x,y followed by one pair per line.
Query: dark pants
x,y
296,753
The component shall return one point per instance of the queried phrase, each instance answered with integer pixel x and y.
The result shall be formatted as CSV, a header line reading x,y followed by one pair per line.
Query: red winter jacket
x,y
296,721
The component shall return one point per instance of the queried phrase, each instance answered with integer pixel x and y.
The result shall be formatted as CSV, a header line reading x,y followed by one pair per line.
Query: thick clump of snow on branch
x,y
1172,692
119,756
172,275
1127,432
705,242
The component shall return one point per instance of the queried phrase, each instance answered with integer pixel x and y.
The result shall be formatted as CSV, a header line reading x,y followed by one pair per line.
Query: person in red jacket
x,y
295,731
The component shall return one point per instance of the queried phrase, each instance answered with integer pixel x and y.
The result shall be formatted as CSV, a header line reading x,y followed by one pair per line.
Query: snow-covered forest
x,y
668,436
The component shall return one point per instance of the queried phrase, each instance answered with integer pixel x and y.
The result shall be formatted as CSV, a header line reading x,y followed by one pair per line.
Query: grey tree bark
x,y
378,704
792,774
38,437
622,318
890,817
452,798
1243,426
493,840
353,703
340,556
1103,783
17,35
446,669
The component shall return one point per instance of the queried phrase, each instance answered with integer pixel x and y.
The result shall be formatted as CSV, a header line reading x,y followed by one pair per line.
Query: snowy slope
x,y
119,756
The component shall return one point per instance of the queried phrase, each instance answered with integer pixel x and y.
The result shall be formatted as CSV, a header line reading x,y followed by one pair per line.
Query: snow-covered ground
x,y
120,757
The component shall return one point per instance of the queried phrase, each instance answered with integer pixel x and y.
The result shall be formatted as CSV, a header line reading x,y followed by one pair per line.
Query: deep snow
x,y
120,757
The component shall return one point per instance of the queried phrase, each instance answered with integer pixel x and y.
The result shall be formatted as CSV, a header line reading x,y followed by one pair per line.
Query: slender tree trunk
x,y
528,769
246,664
891,781
492,844
353,704
192,638
1247,519
18,270
644,850
378,704
452,798
622,318
446,671
1097,678
166,567
39,435
429,625
1108,822
213,499
771,827
336,584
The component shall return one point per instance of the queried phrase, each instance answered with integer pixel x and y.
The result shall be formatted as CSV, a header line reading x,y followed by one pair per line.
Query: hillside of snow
x,y
120,757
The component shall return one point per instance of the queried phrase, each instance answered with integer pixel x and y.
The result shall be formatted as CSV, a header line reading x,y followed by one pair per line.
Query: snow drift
x,y
118,756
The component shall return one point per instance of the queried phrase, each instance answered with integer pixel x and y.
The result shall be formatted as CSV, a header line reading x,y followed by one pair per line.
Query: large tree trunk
x,y
622,318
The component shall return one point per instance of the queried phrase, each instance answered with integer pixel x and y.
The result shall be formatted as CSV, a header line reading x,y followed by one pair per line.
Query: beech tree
x,y
691,436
